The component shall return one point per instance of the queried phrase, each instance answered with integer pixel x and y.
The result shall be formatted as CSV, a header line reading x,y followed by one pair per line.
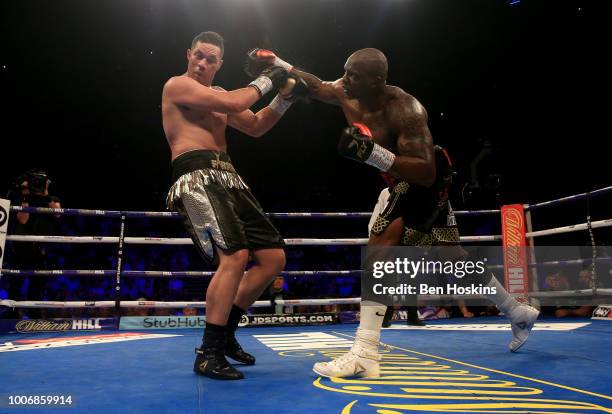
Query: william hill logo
x,y
58,325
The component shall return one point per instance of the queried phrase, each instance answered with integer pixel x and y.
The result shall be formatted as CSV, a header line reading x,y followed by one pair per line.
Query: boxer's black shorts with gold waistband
x,y
216,205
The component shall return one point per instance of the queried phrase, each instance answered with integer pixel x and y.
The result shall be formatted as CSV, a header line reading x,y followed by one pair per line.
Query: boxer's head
x,y
205,57
365,73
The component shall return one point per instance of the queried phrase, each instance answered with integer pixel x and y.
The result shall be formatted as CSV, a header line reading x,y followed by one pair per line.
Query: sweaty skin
x,y
397,120
195,114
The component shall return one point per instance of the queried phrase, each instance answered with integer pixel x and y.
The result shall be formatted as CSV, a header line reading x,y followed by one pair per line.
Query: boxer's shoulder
x,y
397,95
402,106
178,84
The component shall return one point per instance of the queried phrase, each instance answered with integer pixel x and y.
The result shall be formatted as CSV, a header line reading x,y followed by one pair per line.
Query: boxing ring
x,y
448,366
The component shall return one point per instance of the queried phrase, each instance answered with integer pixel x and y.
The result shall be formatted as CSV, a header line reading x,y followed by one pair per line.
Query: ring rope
x,y
581,196
161,273
291,242
266,303
111,304
571,228
198,273
187,241
171,214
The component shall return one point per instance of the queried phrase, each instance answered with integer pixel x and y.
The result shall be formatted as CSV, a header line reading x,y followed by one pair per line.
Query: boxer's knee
x,y
272,259
234,261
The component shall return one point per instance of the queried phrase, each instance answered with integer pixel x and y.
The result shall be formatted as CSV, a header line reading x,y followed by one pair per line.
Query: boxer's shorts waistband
x,y
201,159
195,170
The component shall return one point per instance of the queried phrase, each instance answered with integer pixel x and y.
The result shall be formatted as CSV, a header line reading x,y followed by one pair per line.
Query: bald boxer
x,y
388,131
224,220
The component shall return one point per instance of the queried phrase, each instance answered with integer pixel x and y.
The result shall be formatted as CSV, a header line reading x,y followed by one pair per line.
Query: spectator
x,y
138,310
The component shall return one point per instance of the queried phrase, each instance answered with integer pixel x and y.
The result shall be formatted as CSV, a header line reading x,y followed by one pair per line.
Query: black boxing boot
x,y
210,357
413,317
233,348
388,317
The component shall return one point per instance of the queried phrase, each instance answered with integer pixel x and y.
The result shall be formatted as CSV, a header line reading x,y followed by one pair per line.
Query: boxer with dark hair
x,y
388,130
224,220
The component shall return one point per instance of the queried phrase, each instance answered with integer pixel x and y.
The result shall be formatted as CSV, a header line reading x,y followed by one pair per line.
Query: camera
x,y
37,181
28,187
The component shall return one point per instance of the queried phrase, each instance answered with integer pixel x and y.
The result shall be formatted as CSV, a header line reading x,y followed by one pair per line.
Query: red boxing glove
x,y
356,143
260,59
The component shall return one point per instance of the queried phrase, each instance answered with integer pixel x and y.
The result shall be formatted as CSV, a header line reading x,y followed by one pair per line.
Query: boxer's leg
x,y
522,317
213,224
265,243
363,359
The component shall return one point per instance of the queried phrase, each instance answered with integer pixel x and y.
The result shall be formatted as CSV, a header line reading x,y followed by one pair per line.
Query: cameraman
x,y
31,189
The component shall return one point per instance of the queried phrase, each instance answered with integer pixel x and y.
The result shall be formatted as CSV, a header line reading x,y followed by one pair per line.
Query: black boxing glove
x,y
294,88
356,143
260,59
269,79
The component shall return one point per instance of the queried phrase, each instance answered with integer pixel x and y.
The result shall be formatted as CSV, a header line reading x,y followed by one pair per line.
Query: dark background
x,y
81,86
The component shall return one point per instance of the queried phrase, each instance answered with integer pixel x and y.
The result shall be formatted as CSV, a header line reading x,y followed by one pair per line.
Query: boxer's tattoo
x,y
414,138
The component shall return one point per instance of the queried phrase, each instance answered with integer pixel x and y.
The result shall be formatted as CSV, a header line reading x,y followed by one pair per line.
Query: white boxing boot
x,y
522,318
363,359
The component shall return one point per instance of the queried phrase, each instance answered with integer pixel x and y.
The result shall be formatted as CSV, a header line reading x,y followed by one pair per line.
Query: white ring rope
x,y
289,242
62,239
266,303
200,273
163,273
111,304
171,214
187,241
317,302
570,229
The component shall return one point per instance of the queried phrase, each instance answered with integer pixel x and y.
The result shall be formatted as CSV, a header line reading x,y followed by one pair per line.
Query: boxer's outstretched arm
x,y
182,90
415,162
328,92
252,124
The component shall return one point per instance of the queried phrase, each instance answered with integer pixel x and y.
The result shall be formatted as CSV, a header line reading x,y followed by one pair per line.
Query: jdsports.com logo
x,y
288,320
244,321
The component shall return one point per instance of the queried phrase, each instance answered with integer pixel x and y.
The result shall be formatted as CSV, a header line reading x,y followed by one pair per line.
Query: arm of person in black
x,y
415,162
324,91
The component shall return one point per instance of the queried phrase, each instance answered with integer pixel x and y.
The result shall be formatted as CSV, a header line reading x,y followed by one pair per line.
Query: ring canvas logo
x,y
46,343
